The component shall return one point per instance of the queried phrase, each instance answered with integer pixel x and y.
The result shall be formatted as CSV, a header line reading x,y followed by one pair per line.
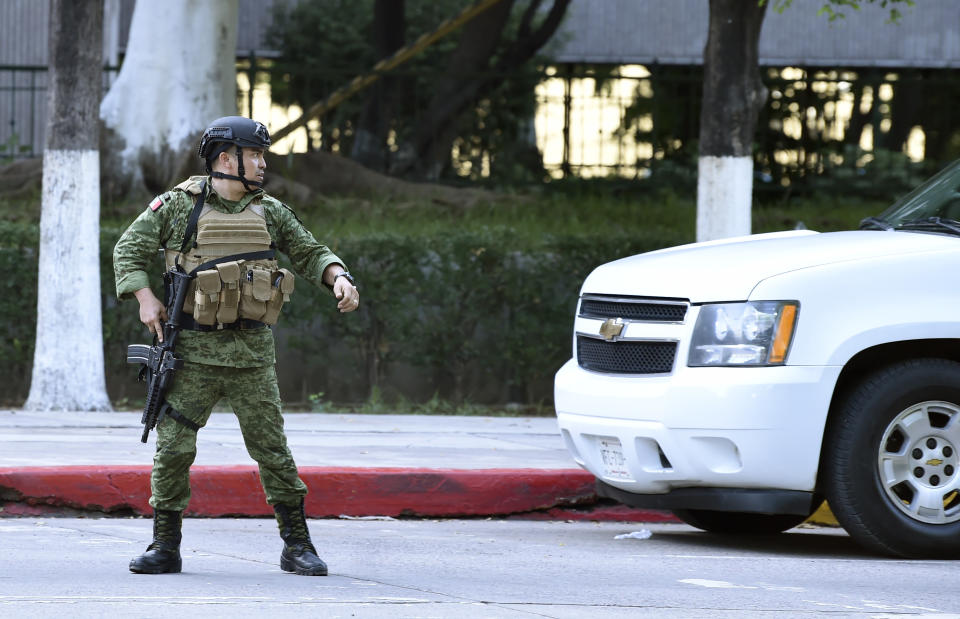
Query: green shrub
x,y
18,306
470,314
473,306
467,314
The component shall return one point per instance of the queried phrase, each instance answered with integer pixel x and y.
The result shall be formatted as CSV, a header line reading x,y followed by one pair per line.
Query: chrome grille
x,y
641,310
625,357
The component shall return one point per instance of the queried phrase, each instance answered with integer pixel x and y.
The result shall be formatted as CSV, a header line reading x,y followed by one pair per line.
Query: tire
x,y
738,523
890,464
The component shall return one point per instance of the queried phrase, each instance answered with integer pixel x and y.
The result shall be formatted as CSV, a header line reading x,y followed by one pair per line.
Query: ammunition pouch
x,y
229,273
239,290
280,290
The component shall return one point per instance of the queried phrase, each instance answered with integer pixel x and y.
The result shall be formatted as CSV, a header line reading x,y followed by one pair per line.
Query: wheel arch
x,y
874,358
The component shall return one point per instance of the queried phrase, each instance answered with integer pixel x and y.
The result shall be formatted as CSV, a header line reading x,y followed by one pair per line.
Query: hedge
x,y
469,314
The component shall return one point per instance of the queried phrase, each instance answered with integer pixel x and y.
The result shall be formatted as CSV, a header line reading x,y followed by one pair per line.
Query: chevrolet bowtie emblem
x,y
934,462
611,329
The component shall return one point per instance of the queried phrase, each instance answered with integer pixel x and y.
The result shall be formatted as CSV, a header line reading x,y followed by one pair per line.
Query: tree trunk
x,y
429,151
373,130
68,369
178,75
435,135
733,95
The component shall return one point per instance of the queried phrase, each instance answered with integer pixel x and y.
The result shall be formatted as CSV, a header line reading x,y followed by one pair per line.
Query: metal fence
x,y
604,121
623,121
23,109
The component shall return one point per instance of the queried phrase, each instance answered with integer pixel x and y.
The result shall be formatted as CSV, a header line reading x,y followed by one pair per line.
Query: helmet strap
x,y
240,171
246,182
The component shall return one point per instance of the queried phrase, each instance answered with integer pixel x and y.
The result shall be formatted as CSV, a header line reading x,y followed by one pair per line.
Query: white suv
x,y
740,382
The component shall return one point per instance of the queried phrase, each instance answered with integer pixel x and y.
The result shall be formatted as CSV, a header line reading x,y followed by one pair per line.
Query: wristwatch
x,y
347,275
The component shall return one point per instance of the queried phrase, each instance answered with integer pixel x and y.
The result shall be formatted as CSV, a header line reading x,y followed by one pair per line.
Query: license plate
x,y
612,458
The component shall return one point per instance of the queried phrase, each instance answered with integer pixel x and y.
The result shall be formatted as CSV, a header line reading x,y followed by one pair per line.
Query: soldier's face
x,y
254,164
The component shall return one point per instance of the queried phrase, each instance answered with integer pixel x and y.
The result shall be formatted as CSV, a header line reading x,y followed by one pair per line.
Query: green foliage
x,y
834,8
670,97
18,259
326,43
458,311
317,403
323,43
875,174
11,148
24,210
815,213
459,303
666,110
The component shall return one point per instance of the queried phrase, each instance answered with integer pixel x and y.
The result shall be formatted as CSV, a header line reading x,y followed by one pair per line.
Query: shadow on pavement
x,y
820,543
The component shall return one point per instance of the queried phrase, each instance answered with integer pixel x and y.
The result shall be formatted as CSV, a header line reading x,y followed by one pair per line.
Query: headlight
x,y
755,333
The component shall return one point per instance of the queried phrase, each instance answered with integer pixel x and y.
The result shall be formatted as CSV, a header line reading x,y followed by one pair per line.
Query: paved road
x,y
475,568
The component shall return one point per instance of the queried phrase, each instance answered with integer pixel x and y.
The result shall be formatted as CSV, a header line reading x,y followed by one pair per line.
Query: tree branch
x,y
525,21
525,47
448,108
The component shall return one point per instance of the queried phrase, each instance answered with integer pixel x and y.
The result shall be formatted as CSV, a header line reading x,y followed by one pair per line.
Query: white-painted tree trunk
x,y
724,194
68,359
733,94
179,74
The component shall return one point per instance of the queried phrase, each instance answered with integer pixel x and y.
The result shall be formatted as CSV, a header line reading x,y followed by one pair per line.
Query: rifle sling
x,y
194,218
168,411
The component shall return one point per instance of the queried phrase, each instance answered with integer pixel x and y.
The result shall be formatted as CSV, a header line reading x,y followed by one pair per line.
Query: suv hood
x,y
729,269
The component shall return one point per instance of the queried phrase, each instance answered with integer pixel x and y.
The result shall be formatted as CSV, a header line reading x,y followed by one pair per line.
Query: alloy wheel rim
x,y
918,463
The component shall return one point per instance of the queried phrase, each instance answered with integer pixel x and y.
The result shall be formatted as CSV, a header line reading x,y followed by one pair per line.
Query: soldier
x,y
224,227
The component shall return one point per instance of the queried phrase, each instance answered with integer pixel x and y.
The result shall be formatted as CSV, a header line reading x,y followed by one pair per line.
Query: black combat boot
x,y
299,555
163,555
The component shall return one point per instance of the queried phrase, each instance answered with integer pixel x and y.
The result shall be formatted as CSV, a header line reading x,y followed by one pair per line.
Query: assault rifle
x,y
158,360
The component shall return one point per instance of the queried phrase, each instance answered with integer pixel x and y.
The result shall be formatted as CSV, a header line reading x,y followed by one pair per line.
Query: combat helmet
x,y
238,131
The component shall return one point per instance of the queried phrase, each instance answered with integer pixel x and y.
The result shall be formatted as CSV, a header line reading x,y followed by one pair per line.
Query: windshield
x,y
938,198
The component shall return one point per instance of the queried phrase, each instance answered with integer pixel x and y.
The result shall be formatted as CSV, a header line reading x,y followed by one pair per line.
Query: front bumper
x,y
737,428
747,500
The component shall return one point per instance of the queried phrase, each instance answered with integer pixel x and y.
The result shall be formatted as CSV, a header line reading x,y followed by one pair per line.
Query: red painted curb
x,y
235,490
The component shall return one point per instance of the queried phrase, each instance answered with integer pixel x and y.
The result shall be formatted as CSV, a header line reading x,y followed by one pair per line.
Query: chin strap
x,y
246,183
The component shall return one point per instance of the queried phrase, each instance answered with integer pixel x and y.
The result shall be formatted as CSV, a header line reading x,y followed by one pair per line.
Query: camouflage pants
x,y
255,399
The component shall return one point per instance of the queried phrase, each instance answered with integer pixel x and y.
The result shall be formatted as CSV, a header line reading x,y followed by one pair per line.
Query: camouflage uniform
x,y
233,364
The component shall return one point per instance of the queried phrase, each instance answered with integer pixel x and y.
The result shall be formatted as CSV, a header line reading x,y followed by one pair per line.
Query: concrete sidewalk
x,y
422,441
354,465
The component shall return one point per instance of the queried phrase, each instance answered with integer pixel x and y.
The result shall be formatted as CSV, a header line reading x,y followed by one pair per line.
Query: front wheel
x,y
738,523
890,467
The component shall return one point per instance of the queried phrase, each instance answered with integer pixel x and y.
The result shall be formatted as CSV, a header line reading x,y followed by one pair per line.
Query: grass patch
x,y
377,404
533,218
822,215
530,216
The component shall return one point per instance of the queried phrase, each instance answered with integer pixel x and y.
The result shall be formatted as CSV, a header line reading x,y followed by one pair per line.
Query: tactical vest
x,y
227,286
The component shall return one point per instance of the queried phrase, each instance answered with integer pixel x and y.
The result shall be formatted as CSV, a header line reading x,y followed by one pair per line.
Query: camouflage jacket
x,y
164,223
